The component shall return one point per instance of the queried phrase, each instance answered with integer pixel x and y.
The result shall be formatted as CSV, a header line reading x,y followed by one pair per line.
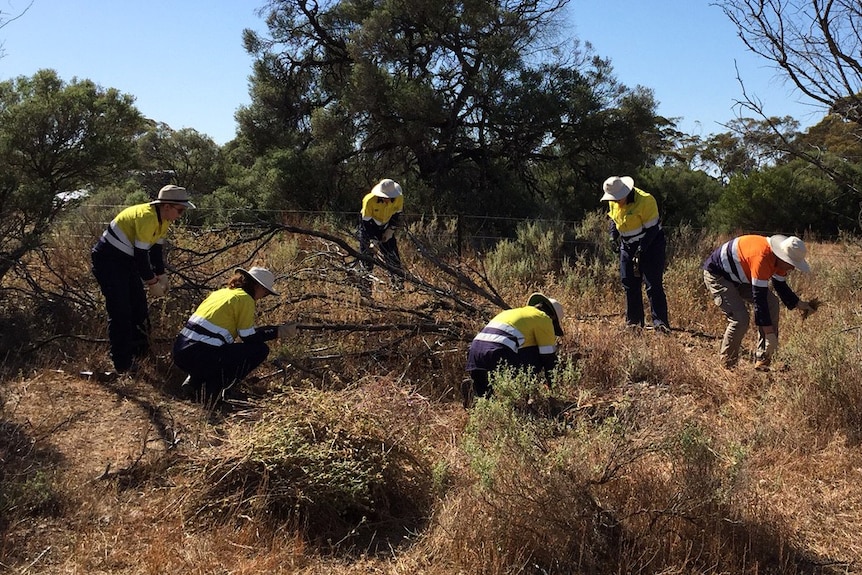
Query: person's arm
x,y
787,295
157,258
262,334
142,263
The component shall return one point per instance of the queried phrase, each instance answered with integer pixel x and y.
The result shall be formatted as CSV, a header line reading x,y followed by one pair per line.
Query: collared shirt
x,y
139,233
136,227
749,260
223,317
380,210
634,218
521,328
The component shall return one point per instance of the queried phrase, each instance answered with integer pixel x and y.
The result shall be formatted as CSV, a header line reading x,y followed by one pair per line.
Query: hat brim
x,y
185,203
609,197
538,298
377,190
246,274
775,246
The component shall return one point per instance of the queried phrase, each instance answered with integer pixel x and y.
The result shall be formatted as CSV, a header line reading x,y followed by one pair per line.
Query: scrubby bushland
x,y
644,456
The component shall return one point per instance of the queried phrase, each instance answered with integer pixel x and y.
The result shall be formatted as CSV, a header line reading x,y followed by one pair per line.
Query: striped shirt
x,y
633,219
520,328
136,227
223,317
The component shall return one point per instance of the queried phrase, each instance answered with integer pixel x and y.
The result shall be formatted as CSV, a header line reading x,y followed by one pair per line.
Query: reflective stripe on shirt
x,y
502,333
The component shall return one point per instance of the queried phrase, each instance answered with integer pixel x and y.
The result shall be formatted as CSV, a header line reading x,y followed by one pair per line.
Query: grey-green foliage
x,y
537,251
56,137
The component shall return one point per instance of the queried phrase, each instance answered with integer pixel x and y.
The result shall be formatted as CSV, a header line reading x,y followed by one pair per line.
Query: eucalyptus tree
x,y
56,137
815,46
470,105
185,157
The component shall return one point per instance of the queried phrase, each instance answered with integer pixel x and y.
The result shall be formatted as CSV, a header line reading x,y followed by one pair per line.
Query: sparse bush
x,y
326,464
536,252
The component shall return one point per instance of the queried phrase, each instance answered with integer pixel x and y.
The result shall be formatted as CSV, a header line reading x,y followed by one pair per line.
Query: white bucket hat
x,y
791,250
617,187
262,276
550,303
387,189
171,194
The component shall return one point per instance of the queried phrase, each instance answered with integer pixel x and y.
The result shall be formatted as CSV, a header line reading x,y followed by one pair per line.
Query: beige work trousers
x,y
731,297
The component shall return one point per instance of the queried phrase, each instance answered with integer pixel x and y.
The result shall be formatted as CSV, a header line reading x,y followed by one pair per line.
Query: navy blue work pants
x,y
126,303
652,264
215,368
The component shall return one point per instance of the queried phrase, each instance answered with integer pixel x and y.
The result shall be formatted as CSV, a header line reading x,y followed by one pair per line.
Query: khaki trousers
x,y
731,297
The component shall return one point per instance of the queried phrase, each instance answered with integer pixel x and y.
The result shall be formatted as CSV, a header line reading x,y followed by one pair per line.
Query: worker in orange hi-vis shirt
x,y
741,270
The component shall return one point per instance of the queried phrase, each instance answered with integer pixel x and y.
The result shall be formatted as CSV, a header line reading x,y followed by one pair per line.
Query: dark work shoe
x,y
662,328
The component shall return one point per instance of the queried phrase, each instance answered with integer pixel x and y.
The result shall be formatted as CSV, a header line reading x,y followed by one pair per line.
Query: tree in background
x,y
187,157
56,137
469,105
814,44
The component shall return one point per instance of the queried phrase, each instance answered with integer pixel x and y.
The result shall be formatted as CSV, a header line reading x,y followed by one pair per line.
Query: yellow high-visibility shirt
x,y
380,209
633,219
224,316
521,327
136,227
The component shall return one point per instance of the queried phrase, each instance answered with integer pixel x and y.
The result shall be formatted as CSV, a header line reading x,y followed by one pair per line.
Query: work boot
x,y
762,364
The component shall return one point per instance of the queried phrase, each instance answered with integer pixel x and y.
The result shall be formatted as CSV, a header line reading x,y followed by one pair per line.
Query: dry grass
x,y
645,457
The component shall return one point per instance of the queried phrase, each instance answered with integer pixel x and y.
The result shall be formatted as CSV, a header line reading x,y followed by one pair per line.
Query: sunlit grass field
x,y
645,456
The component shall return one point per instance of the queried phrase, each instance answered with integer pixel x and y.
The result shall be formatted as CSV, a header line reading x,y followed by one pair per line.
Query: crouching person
x,y
523,337
220,345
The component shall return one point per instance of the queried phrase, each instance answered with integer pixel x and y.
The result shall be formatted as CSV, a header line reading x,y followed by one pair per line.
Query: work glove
x,y
388,234
157,289
164,282
636,262
286,330
808,307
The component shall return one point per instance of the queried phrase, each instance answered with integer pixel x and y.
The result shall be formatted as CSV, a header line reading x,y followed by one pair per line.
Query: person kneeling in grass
x,y
220,345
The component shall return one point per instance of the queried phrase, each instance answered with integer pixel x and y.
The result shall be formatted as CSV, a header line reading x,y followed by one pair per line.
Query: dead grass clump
x,y
328,465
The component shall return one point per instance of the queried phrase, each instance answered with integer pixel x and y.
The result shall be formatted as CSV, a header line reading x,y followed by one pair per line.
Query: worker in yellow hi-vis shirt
x,y
128,257
220,345
382,209
637,235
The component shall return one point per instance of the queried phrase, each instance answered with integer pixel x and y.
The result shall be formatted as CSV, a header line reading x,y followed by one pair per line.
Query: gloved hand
x,y
615,245
808,307
157,289
164,282
388,234
636,262
286,330
771,345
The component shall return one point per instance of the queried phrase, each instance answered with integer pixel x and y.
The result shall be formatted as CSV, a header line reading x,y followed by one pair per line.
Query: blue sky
x,y
184,63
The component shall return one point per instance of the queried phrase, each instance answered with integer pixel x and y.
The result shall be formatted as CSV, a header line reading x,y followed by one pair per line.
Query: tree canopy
x,y
56,137
472,105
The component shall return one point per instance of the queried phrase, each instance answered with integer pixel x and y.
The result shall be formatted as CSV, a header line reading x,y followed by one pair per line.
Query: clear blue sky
x,y
184,63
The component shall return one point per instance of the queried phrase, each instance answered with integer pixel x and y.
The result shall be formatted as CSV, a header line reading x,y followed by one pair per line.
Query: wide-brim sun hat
x,y
387,189
617,187
552,304
262,276
791,250
171,194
